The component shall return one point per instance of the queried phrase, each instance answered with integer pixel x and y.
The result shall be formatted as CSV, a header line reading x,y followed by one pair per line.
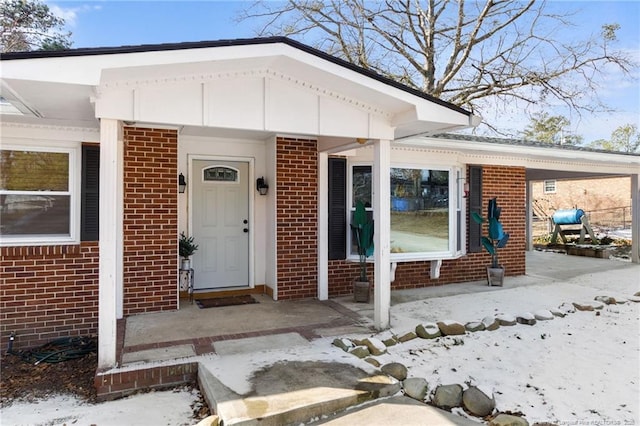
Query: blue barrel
x,y
399,204
568,217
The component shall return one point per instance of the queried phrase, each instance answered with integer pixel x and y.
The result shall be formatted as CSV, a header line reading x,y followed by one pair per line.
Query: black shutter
x,y
337,208
90,211
475,205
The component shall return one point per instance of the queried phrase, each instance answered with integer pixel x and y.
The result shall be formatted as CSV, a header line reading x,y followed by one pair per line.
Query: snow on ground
x,y
581,369
153,408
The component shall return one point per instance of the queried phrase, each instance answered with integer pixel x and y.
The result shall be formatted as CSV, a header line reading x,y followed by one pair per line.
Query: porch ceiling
x,y
56,103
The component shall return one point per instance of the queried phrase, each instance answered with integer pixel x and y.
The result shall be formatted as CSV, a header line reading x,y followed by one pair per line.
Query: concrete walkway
x,y
191,331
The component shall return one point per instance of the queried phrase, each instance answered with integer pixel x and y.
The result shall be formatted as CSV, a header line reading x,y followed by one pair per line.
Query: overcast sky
x,y
118,23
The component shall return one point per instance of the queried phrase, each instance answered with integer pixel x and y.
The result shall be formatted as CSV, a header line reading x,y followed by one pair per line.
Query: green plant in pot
x,y
362,232
186,248
495,239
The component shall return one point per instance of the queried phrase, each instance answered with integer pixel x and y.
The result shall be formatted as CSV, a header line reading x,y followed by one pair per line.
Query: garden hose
x,y
58,350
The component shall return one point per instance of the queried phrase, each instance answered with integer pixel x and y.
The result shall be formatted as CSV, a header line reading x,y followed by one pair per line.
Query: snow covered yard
x,y
580,369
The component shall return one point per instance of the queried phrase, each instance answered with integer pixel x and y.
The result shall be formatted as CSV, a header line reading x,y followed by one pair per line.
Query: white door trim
x,y
250,192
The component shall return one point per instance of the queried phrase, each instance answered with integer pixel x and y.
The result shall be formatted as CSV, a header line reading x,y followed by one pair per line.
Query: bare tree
x,y
471,53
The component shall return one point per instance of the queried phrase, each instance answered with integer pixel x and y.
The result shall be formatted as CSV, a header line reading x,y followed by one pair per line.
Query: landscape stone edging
x,y
435,330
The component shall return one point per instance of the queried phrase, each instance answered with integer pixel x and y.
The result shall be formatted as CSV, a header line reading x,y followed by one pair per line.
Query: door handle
x,y
245,230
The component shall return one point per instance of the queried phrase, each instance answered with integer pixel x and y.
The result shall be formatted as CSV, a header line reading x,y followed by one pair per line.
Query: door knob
x,y
245,221
245,230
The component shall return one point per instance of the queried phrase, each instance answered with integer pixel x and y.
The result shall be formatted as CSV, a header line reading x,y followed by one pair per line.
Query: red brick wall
x,y
297,217
48,292
506,183
150,220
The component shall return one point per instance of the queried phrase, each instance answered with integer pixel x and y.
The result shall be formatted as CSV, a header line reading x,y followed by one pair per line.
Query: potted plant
x,y
495,239
187,247
362,231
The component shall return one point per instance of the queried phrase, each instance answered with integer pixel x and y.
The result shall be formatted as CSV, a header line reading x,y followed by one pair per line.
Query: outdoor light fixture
x,y
261,186
182,184
465,187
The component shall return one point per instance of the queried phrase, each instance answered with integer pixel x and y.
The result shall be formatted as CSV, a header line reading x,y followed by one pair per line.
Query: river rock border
x,y
474,400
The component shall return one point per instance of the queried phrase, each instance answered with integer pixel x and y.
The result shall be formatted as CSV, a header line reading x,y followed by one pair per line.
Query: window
x,y
426,210
549,186
220,174
37,201
419,210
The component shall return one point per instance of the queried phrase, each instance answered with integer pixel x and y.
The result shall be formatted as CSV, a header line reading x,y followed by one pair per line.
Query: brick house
x,y
606,200
121,125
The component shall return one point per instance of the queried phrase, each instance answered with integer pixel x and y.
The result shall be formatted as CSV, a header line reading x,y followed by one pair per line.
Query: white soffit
x,y
45,82
476,152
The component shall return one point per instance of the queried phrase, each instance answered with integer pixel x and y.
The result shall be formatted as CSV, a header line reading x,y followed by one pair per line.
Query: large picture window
x,y
425,210
419,210
36,195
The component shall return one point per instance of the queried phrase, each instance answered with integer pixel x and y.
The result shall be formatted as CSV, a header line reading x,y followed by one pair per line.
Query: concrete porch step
x,y
396,410
291,393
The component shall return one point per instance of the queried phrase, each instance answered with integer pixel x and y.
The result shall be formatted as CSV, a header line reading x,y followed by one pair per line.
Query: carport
x,y
544,161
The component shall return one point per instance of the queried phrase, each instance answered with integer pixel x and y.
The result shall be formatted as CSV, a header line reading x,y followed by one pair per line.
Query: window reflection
x,y
419,210
35,196
361,186
34,214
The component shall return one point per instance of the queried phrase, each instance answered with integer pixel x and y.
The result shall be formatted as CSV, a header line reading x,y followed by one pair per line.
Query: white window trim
x,y
455,193
555,186
75,168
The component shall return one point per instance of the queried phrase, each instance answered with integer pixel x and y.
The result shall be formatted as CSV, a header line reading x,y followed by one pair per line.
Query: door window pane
x,y
219,174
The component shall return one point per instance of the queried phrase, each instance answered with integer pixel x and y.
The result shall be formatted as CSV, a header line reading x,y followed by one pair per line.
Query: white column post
x,y
110,254
382,227
120,225
529,213
635,219
323,226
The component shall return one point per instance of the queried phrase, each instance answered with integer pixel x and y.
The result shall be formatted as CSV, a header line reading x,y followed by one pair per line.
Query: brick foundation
x,y
115,384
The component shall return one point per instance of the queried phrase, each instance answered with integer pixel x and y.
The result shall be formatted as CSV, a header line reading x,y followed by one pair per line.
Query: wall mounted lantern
x,y
182,184
261,186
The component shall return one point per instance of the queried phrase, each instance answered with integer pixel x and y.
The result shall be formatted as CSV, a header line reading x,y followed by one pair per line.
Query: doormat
x,y
225,301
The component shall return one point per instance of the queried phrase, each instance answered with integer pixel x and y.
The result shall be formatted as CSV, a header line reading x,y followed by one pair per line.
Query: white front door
x,y
220,224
